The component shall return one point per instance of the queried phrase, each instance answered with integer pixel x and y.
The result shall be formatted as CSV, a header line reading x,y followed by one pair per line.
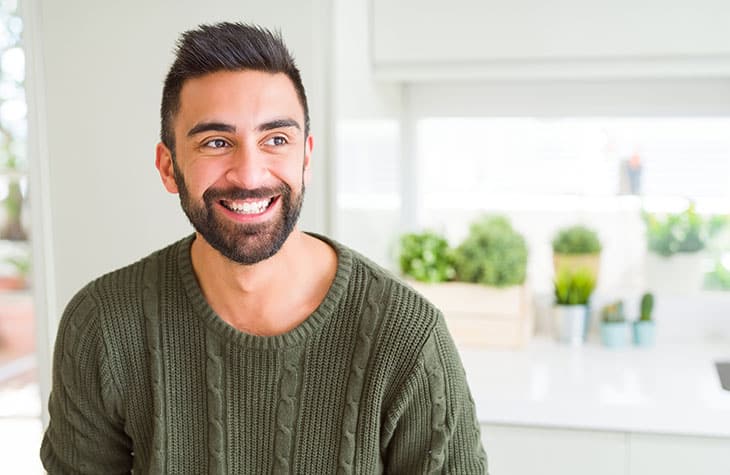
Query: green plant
x,y
718,278
492,254
574,287
683,232
647,306
576,240
426,257
21,264
613,312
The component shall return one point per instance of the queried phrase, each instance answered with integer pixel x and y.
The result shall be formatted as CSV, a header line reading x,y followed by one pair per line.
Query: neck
x,y
246,280
260,298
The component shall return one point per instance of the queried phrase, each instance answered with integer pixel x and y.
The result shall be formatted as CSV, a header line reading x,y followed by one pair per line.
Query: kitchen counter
x,y
668,389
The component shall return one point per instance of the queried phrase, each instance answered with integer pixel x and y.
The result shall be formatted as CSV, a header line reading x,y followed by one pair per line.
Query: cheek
x,y
198,180
289,172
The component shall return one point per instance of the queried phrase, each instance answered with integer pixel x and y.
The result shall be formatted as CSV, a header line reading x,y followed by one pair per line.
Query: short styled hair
x,y
225,47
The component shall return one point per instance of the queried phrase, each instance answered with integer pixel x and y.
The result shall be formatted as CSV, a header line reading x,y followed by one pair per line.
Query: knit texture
x,y
148,378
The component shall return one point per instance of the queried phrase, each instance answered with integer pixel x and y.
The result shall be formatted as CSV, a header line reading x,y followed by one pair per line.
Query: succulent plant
x,y
613,312
576,240
574,287
647,305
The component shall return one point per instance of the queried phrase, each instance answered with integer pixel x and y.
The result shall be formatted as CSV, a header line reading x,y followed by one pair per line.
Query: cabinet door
x,y
674,455
515,450
434,31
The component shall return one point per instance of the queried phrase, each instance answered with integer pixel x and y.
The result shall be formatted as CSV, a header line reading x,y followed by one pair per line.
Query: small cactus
x,y
647,305
613,312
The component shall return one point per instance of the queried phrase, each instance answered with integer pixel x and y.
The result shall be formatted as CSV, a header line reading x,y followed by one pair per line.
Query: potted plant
x,y
487,302
718,278
577,247
493,254
644,328
675,262
426,257
614,331
573,289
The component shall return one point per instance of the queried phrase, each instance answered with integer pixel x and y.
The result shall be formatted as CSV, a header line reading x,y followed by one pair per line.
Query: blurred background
x,y
468,146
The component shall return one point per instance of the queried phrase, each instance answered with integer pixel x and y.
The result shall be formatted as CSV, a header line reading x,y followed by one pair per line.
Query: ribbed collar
x,y
294,337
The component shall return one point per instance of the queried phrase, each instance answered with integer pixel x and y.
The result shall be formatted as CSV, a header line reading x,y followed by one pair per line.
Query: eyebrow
x,y
278,124
211,126
223,127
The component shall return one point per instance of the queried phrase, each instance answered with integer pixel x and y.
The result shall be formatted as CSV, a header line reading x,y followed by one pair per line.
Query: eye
x,y
277,140
216,143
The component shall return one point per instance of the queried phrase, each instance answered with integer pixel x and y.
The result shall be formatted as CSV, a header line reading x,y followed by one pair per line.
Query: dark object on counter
x,y
723,370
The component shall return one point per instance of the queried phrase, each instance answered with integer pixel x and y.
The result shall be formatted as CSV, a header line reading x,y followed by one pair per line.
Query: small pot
x,y
644,333
570,323
614,334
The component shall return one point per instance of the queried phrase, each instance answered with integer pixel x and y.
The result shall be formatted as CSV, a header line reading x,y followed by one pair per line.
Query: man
x,y
251,347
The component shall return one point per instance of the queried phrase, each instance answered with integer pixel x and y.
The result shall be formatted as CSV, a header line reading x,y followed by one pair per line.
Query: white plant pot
x,y
679,274
570,323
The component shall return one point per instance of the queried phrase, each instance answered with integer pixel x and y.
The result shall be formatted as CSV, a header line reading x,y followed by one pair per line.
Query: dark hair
x,y
225,47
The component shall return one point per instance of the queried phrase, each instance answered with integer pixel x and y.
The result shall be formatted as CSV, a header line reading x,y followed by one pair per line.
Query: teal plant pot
x,y
614,335
644,333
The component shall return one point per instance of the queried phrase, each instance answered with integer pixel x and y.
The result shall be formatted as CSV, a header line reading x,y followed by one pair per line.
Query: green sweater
x,y
147,377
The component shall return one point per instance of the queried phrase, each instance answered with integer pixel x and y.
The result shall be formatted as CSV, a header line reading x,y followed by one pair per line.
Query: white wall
x,y
95,75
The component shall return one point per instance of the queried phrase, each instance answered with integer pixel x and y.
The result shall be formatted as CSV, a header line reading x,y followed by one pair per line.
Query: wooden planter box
x,y
482,316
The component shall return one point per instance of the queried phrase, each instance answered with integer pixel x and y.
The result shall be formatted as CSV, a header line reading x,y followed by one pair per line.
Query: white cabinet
x,y
517,450
530,451
678,455
415,39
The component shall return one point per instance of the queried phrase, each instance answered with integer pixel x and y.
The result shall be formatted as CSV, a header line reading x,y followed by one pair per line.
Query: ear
x,y
308,146
163,162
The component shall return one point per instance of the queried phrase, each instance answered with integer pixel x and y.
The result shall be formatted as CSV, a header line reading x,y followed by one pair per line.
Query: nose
x,y
246,168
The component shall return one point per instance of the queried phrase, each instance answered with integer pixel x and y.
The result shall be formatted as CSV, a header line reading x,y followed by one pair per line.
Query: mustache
x,y
235,193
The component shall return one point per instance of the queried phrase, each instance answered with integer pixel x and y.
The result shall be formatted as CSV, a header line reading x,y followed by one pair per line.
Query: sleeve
x,y
432,427
85,433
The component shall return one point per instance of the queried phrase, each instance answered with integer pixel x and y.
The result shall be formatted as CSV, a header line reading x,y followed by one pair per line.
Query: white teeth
x,y
248,207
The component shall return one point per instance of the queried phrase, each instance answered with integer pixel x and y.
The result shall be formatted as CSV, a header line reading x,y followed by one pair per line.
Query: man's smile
x,y
248,206
249,209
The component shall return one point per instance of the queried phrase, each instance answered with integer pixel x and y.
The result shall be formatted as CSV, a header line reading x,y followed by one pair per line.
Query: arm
x,y
431,427
85,433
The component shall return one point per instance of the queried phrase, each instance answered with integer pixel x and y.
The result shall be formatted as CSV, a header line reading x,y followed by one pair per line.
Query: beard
x,y
241,243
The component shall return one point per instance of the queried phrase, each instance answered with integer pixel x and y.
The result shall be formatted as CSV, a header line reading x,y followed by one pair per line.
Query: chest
x,y
222,409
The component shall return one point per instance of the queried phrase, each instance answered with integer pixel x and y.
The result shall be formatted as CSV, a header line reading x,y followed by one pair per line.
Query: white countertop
x,y
671,389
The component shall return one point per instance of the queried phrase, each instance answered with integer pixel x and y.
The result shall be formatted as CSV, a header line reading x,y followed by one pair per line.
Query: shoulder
x,y
128,280
117,295
404,317
398,300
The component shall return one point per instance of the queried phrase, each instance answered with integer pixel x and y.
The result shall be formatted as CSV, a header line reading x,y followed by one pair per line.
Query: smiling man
x,y
251,347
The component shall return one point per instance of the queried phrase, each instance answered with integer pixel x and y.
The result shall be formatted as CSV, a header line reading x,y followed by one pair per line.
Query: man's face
x,y
241,161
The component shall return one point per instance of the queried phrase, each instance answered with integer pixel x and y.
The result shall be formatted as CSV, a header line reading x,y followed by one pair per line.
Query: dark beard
x,y
242,243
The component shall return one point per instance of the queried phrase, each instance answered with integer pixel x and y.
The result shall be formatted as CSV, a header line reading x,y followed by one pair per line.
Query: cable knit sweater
x,y
148,378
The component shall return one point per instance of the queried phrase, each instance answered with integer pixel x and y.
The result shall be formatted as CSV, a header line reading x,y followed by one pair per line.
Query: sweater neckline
x,y
293,337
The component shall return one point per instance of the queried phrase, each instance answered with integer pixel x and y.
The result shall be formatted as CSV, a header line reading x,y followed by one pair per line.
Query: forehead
x,y
240,97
